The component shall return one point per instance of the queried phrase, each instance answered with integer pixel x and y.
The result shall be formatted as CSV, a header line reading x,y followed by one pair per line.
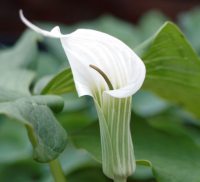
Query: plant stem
x,y
117,179
57,171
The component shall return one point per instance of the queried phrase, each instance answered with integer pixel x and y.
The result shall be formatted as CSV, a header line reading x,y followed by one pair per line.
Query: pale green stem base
x,y
56,171
120,180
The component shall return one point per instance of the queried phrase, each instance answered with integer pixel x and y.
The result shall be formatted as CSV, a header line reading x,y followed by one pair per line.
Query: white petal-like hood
x,y
85,47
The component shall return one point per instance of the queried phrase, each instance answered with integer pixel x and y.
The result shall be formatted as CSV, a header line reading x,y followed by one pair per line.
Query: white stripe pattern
x,y
117,148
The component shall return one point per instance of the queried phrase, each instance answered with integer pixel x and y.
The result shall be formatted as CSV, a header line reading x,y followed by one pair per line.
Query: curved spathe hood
x,y
84,47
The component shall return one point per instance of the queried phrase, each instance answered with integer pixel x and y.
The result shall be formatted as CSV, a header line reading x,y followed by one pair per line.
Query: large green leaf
x,y
173,68
172,156
46,134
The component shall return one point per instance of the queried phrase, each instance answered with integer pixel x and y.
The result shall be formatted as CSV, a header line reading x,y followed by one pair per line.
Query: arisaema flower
x,y
106,69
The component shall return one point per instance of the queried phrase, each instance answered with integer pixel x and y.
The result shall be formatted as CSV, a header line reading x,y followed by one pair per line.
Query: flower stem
x,y
57,171
117,179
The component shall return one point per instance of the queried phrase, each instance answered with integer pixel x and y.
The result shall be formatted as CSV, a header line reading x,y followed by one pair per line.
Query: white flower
x,y
109,71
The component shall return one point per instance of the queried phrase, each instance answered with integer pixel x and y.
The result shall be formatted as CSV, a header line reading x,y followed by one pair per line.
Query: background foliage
x,y
165,113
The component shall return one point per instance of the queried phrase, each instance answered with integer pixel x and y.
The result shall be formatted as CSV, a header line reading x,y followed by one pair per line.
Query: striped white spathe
x,y
126,72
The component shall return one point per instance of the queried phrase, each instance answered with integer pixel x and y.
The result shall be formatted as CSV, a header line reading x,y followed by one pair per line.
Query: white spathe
x,y
83,47
126,72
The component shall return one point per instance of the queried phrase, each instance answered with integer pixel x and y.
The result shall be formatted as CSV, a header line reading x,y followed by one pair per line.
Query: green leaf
x,y
23,54
55,103
173,68
171,156
60,84
46,134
